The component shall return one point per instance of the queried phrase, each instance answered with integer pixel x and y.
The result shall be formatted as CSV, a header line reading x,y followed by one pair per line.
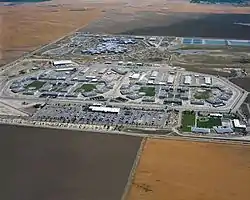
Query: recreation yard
x,y
188,120
86,88
193,119
208,122
149,91
36,85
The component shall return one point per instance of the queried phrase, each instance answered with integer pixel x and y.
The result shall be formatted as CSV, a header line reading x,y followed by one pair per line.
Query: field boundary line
x,y
134,168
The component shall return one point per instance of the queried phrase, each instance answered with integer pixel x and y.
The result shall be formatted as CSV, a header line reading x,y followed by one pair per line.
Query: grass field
x,y
188,120
35,84
86,88
149,91
209,123
202,95
186,170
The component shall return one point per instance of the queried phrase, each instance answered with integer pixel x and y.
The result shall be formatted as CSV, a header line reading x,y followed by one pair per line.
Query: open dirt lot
x,y
242,82
50,164
179,170
26,27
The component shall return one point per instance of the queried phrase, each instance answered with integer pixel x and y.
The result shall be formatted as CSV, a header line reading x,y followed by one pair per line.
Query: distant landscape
x,y
220,1
22,1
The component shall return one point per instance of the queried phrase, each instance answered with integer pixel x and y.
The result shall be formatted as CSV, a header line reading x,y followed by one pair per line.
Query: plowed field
x,y
184,170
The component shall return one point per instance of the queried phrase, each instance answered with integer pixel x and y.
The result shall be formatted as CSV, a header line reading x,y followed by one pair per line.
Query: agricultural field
x,y
64,164
188,120
242,82
191,170
208,122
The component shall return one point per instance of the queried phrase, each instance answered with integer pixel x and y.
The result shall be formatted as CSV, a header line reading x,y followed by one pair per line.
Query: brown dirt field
x,y
185,170
242,82
54,164
24,28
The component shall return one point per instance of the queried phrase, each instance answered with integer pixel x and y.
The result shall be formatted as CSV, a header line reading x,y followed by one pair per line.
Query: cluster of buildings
x,y
110,45
197,80
228,126
62,81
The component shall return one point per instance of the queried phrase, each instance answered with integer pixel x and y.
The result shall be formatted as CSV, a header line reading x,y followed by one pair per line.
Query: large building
x,y
170,79
65,69
187,80
237,125
104,109
62,62
223,130
208,80
200,130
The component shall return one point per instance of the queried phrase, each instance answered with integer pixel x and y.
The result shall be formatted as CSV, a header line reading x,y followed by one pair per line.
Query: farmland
x,y
64,164
191,170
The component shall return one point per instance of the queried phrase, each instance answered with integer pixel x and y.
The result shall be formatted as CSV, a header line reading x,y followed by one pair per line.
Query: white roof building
x,y
150,82
208,80
62,62
154,74
187,80
152,39
237,124
104,109
170,79
215,115
135,76
65,69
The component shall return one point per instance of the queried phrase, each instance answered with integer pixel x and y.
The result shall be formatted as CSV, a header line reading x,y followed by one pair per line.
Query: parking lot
x,y
81,114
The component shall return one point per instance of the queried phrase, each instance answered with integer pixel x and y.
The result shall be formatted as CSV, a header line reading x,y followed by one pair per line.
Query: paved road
x,y
241,140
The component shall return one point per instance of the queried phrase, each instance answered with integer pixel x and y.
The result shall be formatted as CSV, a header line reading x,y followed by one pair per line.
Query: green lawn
x,y
86,88
202,95
209,123
35,84
149,91
188,120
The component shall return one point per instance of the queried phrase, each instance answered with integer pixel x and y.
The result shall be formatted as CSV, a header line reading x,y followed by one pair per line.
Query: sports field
x,y
149,91
188,120
86,88
202,95
185,170
208,122
35,84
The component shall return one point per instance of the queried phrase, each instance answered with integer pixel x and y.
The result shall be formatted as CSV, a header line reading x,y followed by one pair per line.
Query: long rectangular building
x,y
200,130
62,62
104,109
65,69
